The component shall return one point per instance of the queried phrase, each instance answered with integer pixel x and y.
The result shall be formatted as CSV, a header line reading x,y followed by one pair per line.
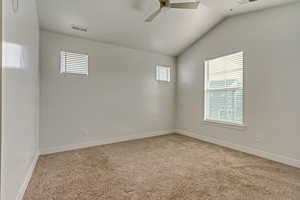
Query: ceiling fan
x,y
168,4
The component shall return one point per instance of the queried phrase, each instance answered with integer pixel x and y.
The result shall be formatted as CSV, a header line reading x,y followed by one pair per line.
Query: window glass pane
x,y
225,105
162,73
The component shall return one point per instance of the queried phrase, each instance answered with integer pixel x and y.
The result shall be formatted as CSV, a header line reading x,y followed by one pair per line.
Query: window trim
x,y
170,73
76,52
205,72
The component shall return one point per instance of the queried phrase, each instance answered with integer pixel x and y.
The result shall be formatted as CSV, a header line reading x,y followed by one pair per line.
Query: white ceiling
x,y
232,7
121,22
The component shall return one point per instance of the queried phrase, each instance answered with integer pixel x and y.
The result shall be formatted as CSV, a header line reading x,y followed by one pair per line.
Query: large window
x,y
74,63
224,93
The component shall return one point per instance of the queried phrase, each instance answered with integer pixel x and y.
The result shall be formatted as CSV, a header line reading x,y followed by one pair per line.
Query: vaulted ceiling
x,y
121,22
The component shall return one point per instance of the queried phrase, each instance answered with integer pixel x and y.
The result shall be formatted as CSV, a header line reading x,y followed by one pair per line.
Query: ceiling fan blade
x,y
152,16
186,5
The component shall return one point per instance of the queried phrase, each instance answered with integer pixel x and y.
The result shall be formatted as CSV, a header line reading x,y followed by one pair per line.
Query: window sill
x,y
225,124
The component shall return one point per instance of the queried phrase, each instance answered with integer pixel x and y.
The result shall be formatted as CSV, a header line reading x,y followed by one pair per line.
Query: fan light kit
x,y
168,4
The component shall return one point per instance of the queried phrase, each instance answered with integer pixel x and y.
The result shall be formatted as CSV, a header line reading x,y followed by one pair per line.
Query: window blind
x,y
224,88
74,63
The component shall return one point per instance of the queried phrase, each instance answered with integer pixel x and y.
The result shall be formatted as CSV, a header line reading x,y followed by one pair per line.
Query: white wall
x,y
119,98
20,97
1,30
271,44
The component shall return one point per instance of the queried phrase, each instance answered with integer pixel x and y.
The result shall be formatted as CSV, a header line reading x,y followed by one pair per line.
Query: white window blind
x,y
74,63
163,73
224,89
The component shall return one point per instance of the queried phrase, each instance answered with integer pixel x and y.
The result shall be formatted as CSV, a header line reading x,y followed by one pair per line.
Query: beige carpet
x,y
170,167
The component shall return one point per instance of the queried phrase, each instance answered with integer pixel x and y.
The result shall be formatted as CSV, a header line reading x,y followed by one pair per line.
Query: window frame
x,y
75,52
205,72
169,71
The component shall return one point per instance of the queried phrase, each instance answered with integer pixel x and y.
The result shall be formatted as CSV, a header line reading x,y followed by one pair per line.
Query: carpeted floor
x,y
170,167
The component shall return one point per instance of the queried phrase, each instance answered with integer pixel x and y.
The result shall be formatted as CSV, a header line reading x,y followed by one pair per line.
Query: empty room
x,y
150,100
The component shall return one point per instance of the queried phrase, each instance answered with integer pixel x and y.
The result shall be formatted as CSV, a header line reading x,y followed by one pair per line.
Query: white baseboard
x,y
245,149
27,178
97,142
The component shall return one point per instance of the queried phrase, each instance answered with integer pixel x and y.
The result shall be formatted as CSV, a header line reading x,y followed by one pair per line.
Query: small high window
x,y
163,73
74,63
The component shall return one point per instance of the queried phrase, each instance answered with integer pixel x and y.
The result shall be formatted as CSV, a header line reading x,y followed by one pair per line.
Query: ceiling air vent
x,y
246,1
79,28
